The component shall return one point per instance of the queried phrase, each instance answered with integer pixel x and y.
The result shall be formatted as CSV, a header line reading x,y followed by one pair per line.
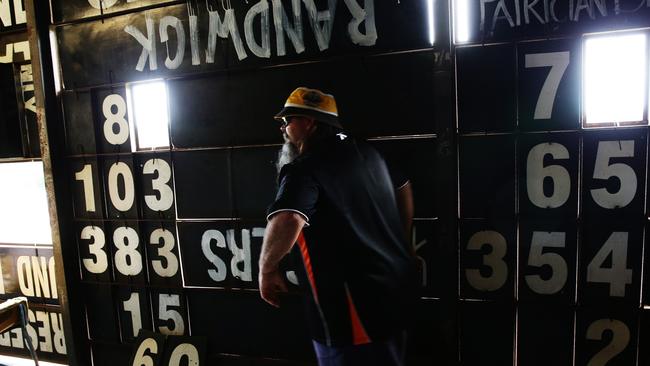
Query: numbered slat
x,y
486,88
614,164
156,186
219,254
548,175
547,261
134,312
487,259
185,350
148,349
548,325
94,243
163,262
169,310
606,337
87,188
486,333
487,176
549,85
112,120
610,262
120,187
127,249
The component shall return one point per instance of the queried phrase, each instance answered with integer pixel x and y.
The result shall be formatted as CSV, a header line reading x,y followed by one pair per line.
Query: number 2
x,y
620,339
559,62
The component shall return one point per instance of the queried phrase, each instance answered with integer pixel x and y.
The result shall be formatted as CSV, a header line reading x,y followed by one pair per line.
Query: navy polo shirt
x,y
359,272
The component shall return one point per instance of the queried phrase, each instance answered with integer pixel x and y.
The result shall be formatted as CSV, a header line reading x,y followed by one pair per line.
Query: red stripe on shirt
x,y
302,243
359,335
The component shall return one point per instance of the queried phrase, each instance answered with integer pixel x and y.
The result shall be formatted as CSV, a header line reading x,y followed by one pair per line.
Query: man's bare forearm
x,y
282,232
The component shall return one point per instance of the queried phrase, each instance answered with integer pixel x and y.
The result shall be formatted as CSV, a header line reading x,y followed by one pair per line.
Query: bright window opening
x,y
461,20
148,115
24,216
432,29
615,78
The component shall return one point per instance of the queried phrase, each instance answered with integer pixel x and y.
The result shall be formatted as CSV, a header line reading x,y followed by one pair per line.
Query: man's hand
x,y
271,286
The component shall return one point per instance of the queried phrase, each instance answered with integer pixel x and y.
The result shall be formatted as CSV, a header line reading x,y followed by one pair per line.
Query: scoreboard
x,y
530,225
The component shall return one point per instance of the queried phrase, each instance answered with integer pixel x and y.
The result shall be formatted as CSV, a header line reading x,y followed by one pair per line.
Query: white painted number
x,y
536,173
99,262
115,119
122,170
494,260
86,176
170,266
603,170
132,305
537,258
620,339
559,62
184,350
618,275
128,260
140,359
165,195
165,314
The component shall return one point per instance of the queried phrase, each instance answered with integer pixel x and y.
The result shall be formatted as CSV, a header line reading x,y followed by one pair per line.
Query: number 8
x,y
112,119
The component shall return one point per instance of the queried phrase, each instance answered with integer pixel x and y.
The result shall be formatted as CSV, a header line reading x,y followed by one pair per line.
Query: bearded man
x,y
337,201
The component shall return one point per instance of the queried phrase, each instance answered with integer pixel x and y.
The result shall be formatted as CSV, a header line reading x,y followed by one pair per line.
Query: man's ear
x,y
312,125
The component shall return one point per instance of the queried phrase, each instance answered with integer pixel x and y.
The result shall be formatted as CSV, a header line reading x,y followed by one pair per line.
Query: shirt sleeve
x,y
298,192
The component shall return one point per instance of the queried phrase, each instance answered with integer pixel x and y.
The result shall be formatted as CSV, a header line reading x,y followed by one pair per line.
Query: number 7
x,y
559,62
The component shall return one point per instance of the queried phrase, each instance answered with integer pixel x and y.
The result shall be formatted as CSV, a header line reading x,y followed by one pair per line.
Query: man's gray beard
x,y
287,154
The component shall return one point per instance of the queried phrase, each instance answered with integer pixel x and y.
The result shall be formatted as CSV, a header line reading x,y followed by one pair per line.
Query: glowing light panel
x,y
614,78
432,30
461,20
150,115
24,217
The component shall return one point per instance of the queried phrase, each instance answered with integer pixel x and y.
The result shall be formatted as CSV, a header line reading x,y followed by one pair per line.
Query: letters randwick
x,y
223,24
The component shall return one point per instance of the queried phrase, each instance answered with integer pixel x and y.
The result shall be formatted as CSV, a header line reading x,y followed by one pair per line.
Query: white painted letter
x,y
281,22
194,39
218,274
322,22
221,29
360,15
170,21
44,332
25,274
5,13
262,9
41,280
59,337
148,44
240,255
